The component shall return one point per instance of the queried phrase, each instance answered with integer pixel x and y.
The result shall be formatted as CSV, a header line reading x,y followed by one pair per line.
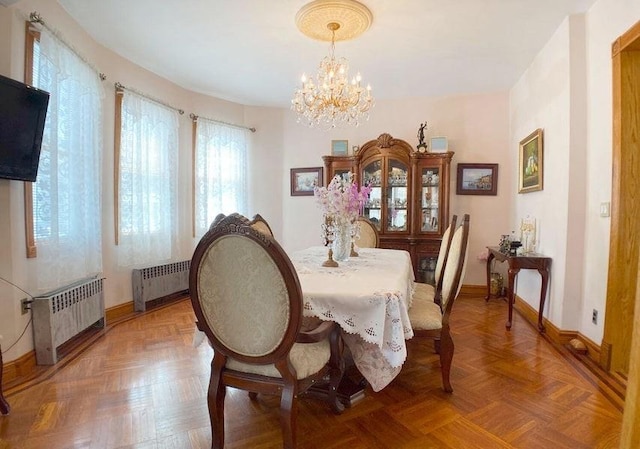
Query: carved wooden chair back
x,y
247,299
259,223
369,237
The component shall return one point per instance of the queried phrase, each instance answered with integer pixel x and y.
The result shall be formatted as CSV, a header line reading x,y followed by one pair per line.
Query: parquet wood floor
x,y
144,386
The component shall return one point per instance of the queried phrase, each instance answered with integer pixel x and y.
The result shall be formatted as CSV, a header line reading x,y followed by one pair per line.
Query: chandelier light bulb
x,y
332,100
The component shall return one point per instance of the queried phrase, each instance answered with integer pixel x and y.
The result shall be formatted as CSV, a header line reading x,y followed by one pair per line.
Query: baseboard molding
x,y
20,368
118,312
473,290
24,369
558,336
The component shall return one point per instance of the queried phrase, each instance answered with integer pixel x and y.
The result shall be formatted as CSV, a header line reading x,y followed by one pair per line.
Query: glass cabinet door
x,y
372,176
397,218
430,192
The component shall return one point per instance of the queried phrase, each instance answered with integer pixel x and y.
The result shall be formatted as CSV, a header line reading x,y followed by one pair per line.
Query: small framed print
x,y
339,147
304,180
477,179
530,163
439,145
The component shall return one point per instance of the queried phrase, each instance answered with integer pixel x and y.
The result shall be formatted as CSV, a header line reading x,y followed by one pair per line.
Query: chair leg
x,y
446,356
215,401
288,415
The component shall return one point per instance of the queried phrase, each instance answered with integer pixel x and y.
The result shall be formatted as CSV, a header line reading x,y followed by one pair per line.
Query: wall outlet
x,y
24,304
594,317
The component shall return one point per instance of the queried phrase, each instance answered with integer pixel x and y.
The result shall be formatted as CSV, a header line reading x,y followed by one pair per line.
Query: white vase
x,y
342,242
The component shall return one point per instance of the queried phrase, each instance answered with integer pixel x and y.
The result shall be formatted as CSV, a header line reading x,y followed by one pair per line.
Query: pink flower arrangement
x,y
342,199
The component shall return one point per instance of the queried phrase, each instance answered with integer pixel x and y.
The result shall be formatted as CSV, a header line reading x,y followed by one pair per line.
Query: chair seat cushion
x,y
424,291
425,314
306,358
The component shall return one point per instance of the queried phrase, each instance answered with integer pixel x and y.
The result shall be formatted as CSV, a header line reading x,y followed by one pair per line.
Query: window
x,y
146,179
220,172
64,204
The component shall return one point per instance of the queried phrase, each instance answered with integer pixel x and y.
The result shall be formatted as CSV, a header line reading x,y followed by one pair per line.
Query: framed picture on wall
x,y
439,144
303,180
477,179
530,166
339,148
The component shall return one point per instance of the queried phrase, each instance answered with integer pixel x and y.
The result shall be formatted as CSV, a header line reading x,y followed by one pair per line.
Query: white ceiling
x,y
251,52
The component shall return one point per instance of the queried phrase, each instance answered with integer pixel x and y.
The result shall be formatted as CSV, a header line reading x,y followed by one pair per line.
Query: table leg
x,y
543,295
4,405
511,296
489,259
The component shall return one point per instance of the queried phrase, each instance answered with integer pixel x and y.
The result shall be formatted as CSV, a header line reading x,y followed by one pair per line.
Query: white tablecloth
x,y
368,296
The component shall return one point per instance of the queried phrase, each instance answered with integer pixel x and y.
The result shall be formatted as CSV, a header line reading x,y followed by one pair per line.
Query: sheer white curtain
x,y
147,182
220,172
67,193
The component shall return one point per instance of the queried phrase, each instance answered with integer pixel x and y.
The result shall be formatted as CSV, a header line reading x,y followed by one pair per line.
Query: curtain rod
x,y
120,87
196,117
35,17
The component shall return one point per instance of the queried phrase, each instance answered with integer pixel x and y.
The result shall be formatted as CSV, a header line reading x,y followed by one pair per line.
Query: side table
x,y
530,261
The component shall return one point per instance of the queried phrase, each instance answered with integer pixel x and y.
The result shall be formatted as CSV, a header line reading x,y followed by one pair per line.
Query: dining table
x,y
368,296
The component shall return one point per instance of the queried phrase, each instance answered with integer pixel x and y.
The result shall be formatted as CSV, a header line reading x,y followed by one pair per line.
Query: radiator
x,y
64,313
159,281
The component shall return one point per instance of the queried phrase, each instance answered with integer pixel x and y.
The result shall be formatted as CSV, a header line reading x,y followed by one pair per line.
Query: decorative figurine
x,y
422,146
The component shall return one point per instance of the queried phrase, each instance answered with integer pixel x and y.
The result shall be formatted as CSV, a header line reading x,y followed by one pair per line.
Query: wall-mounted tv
x,y
22,114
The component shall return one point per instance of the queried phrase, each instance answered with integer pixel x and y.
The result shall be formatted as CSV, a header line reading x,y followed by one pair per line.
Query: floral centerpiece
x,y
341,203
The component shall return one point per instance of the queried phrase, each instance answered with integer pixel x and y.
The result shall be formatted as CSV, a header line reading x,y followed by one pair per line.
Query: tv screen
x,y
22,113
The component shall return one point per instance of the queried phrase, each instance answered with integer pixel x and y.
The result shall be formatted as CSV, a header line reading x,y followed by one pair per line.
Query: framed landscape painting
x,y
530,173
477,179
303,180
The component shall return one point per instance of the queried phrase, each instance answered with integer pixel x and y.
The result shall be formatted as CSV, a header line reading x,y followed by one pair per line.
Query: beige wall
x,y
13,264
566,91
477,129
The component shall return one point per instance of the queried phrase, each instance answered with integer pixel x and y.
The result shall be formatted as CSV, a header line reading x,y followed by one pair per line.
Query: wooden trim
x,y
22,367
605,355
118,312
593,349
117,133
31,36
624,245
194,128
473,290
628,41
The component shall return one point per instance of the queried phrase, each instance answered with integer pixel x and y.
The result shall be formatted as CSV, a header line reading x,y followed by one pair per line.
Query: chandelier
x,y
332,99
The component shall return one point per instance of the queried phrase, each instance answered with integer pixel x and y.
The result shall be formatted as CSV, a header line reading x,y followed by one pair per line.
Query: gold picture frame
x,y
530,163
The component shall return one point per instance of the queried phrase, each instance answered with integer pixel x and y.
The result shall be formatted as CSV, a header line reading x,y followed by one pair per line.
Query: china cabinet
x,y
409,200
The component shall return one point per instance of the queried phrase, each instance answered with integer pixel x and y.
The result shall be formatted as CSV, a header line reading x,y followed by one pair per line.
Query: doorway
x,y
624,245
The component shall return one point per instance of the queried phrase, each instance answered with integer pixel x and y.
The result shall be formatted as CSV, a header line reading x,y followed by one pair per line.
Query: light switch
x,y
605,209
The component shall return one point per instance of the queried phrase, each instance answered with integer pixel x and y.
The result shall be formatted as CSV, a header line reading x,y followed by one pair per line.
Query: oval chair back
x,y
247,300
368,235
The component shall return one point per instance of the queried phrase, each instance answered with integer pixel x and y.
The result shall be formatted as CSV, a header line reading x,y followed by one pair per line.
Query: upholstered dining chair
x,y
216,220
434,292
247,299
369,237
431,320
260,224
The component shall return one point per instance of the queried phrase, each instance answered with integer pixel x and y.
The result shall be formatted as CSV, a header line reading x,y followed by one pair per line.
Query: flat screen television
x,y
23,110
